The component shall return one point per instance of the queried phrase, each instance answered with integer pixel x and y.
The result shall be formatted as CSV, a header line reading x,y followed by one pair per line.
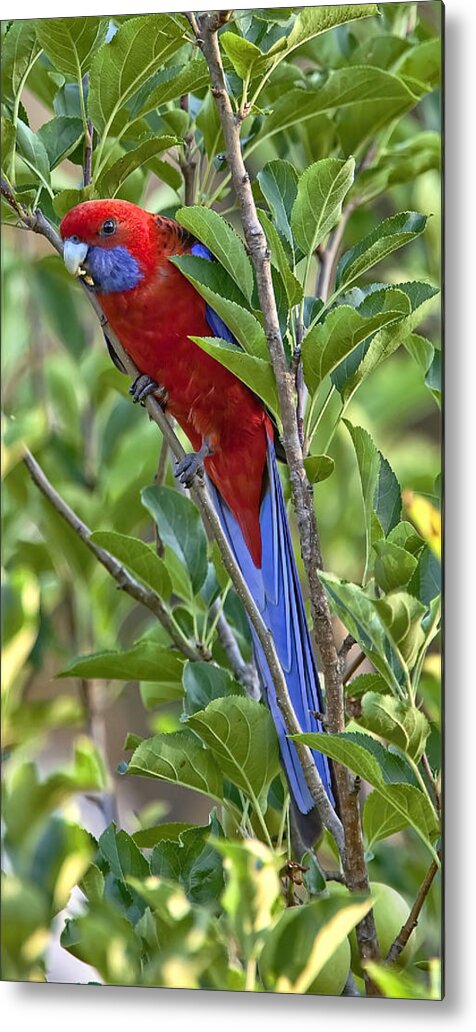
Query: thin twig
x,y
245,673
188,163
412,920
88,141
347,645
125,581
359,659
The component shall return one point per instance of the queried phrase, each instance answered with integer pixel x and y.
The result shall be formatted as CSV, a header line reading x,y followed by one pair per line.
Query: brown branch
x,y
330,253
39,224
88,142
302,493
347,645
412,920
189,162
359,659
125,581
245,673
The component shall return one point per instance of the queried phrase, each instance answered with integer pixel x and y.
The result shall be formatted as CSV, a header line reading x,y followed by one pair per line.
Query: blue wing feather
x,y
277,593
216,324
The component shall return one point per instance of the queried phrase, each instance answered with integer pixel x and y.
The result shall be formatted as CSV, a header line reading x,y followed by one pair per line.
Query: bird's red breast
x,y
154,321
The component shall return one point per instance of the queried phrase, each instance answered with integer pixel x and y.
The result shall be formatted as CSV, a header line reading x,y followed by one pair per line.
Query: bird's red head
x,y
113,241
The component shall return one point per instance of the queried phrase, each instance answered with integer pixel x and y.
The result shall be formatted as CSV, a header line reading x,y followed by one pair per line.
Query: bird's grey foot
x,y
191,464
145,385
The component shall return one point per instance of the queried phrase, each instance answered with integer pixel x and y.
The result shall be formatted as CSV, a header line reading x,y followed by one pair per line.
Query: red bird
x,y
154,310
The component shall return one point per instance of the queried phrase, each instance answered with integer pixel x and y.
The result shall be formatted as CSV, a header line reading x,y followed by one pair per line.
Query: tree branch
x,y
125,581
302,492
245,673
412,920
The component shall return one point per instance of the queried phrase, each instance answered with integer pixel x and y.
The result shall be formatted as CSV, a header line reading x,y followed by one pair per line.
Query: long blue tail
x,y
277,593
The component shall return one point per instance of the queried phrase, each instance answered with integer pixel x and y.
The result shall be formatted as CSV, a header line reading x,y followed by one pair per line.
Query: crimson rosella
x,y
154,311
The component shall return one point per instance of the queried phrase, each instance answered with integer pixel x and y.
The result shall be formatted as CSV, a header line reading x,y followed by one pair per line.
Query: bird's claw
x,y
188,467
191,464
143,386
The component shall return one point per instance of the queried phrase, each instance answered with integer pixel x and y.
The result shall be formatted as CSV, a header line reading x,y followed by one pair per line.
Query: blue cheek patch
x,y
113,269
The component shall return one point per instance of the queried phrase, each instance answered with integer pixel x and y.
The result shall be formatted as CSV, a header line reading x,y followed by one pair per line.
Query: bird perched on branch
x,y
123,252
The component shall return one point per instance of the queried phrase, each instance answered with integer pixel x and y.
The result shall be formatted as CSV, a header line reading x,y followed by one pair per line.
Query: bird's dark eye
x,y
74,239
108,227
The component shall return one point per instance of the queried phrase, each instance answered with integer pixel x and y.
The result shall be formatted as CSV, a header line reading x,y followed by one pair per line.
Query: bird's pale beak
x,y
74,255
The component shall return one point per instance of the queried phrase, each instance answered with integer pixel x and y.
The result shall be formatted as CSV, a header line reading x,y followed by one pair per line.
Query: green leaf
x,y
60,137
179,526
318,467
368,461
348,91
138,557
34,154
71,42
89,938
401,163
402,614
253,892
357,752
318,205
312,21
433,377
401,985
387,500
111,180
193,863
365,683
393,566
422,63
278,181
246,58
240,321
292,286
213,231
8,140
19,49
421,350
66,199
405,536
387,340
401,725
387,237
327,344
139,48
240,734
380,819
426,580
145,662
168,84
147,838
256,373
356,610
155,693
122,854
180,759
204,682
